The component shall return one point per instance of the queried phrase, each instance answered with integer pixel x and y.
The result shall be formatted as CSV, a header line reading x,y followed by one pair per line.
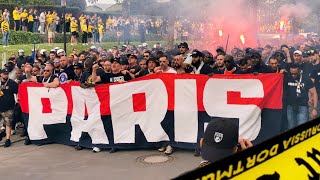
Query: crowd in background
x,y
94,27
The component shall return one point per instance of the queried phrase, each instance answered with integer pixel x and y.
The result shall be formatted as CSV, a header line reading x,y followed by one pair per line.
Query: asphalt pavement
x,y
56,161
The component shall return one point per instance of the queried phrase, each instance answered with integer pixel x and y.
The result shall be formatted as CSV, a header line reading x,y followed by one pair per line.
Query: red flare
x,y
243,39
220,33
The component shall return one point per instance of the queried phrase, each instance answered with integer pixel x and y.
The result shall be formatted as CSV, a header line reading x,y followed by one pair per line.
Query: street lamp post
x,y
64,4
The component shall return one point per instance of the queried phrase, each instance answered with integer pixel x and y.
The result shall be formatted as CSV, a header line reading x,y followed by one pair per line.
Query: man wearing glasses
x,y
48,79
146,55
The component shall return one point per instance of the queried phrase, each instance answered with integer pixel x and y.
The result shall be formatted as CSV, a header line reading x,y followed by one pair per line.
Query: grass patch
x,y
13,49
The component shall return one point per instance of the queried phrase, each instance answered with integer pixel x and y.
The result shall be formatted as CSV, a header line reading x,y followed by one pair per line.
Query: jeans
x,y
5,39
35,26
297,115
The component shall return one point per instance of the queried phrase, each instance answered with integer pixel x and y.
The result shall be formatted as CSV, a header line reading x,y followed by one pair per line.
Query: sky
x,y
105,1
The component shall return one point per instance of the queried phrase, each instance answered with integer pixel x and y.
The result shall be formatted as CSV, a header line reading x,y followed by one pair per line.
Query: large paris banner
x,y
151,111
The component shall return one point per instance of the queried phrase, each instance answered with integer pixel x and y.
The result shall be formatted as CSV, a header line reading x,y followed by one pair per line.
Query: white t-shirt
x,y
171,70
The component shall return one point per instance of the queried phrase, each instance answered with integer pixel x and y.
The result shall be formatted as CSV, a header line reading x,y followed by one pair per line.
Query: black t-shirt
x,y
41,79
144,72
293,95
66,74
7,101
136,69
111,78
206,69
86,75
316,76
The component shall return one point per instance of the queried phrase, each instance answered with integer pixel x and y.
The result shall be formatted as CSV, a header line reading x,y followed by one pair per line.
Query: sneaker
x,y
113,150
27,141
96,149
78,147
162,149
83,44
7,143
169,150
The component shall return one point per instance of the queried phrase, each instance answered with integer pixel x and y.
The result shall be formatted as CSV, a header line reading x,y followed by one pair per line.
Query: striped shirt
x,y
5,26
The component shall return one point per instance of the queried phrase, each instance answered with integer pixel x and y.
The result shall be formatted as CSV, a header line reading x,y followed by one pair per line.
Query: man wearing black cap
x,y
116,76
8,89
77,69
151,63
221,139
199,67
133,65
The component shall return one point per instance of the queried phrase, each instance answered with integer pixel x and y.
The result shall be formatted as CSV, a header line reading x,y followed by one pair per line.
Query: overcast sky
x,y
105,1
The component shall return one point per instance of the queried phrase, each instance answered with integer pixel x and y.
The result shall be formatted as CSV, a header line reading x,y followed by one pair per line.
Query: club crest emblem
x,y
63,78
218,137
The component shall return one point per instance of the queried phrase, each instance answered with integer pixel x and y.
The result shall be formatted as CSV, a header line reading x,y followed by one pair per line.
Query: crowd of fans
x,y
93,27
95,66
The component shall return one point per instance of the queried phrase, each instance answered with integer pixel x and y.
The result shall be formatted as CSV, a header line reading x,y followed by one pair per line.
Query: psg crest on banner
x,y
63,78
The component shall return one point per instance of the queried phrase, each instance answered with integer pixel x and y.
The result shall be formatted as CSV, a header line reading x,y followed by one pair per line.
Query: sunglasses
x,y
163,61
46,70
142,64
145,56
34,70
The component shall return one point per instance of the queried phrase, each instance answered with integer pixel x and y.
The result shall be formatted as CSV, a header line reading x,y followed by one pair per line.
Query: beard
x,y
163,67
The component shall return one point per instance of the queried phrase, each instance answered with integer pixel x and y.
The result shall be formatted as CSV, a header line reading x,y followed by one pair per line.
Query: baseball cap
x,y
60,51
312,52
77,66
124,62
116,60
298,52
5,71
220,137
132,55
197,54
42,51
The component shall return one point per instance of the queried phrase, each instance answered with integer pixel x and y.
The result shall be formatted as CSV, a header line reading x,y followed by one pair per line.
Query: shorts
x,y
7,117
50,35
25,22
75,34
90,35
